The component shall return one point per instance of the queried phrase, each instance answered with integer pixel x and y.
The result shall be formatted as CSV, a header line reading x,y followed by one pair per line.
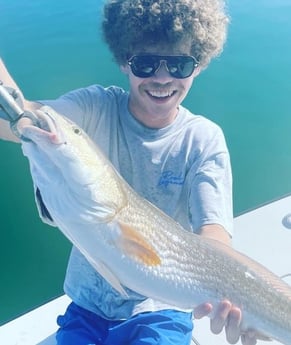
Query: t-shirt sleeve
x,y
210,200
85,106
74,105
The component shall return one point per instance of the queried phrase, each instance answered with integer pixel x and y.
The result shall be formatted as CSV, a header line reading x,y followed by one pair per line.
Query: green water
x,y
54,46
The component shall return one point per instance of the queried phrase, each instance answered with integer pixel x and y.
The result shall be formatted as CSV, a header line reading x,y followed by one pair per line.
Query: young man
x,y
177,160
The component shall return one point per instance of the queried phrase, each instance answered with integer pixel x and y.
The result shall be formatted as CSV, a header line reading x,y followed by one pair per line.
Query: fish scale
x,y
132,243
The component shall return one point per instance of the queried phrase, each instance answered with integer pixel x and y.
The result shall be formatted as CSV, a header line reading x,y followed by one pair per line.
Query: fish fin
x,y
258,335
261,336
135,245
110,277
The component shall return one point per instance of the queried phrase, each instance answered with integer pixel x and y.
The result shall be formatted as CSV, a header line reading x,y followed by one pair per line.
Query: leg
x,y
80,327
166,327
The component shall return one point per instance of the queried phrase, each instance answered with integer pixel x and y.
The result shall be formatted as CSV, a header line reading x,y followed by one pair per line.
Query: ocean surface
x,y
54,46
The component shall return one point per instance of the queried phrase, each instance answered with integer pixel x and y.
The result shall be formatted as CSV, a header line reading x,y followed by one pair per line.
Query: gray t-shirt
x,y
183,168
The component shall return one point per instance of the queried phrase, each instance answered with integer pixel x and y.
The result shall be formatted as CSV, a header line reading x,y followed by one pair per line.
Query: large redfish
x,y
132,243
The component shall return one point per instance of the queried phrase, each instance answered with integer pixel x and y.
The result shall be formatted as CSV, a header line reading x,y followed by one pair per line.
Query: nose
x,y
162,72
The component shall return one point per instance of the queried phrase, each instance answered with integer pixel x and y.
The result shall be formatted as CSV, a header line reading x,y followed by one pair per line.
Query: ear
x,y
124,69
197,71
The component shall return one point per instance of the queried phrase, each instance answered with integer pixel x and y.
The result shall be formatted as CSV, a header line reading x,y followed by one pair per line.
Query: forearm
x,y
216,232
6,77
8,81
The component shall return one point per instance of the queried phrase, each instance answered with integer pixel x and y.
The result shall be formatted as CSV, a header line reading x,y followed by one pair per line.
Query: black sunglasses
x,y
179,66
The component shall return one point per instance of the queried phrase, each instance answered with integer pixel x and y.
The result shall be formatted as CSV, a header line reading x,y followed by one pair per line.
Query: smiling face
x,y
154,101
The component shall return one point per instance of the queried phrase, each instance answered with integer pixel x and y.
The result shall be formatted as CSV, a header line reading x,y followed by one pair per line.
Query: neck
x,y
157,120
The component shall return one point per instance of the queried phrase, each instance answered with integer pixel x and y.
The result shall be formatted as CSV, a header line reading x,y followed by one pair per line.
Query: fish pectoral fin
x,y
261,336
257,335
135,245
110,277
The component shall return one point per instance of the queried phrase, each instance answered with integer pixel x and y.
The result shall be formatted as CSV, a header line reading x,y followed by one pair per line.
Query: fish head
x,y
65,145
65,162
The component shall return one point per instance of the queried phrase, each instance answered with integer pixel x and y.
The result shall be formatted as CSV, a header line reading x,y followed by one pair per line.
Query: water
x,y
54,46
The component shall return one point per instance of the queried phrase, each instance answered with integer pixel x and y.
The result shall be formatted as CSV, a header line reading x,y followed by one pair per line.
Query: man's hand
x,y
226,317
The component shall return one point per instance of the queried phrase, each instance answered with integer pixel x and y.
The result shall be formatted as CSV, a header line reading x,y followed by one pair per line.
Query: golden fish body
x,y
132,243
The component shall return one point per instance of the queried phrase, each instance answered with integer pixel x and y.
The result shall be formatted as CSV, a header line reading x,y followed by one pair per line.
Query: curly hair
x,y
129,24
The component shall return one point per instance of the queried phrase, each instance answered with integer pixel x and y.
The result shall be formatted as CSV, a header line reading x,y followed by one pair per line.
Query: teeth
x,y
161,94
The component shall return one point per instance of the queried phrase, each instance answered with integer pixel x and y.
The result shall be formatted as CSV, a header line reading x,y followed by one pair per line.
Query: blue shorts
x,y
166,327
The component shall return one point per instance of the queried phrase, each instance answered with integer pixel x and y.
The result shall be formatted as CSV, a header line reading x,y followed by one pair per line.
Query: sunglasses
x,y
179,66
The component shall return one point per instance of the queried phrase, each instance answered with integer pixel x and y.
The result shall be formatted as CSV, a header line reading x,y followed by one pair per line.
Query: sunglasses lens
x,y
181,66
144,66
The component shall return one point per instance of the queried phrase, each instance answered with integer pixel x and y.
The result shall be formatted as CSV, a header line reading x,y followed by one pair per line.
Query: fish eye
x,y
77,130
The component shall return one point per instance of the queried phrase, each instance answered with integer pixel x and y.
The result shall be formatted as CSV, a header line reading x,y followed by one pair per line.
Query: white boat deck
x,y
260,234
37,327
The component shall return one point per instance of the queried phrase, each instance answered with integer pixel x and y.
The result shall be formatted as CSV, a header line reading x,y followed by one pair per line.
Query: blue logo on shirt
x,y
168,177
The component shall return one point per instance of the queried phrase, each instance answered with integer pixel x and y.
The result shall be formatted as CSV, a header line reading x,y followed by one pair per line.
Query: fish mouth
x,y
39,125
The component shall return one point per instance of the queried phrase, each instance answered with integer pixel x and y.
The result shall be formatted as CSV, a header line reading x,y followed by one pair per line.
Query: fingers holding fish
x,y
248,338
220,317
202,310
228,317
232,326
225,315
